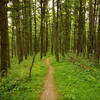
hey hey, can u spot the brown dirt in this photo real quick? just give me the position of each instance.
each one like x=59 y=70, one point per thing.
x=49 y=92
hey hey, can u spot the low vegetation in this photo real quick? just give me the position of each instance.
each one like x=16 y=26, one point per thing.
x=76 y=83
x=17 y=86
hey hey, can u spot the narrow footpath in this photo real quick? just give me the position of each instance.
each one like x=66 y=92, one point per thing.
x=49 y=92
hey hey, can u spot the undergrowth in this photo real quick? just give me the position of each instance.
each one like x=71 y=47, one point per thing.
x=75 y=83
x=17 y=85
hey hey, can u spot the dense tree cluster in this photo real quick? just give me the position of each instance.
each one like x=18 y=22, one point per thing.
x=59 y=26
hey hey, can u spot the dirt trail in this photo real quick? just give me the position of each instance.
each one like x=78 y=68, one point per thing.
x=49 y=92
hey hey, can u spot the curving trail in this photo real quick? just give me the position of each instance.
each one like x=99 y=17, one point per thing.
x=49 y=92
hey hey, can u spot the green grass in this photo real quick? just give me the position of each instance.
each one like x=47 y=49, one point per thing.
x=75 y=83
x=17 y=86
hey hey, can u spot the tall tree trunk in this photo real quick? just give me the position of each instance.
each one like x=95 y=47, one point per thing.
x=4 y=38
x=81 y=28
x=53 y=28
x=98 y=37
x=92 y=29
x=30 y=27
x=57 y=33
x=35 y=27
x=41 y=30
x=16 y=4
x=68 y=27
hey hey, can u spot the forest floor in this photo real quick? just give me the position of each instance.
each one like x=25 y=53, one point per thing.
x=17 y=86
x=76 y=79
x=72 y=78
x=49 y=92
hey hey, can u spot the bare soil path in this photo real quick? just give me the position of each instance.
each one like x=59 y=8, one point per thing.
x=49 y=92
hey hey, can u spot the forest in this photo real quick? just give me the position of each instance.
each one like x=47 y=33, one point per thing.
x=49 y=49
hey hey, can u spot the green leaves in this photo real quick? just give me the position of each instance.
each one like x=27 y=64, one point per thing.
x=18 y=87
x=75 y=83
